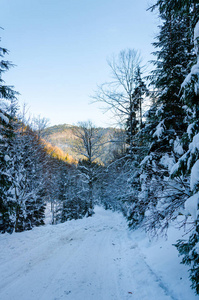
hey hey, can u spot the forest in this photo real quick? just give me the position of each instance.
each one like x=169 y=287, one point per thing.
x=148 y=169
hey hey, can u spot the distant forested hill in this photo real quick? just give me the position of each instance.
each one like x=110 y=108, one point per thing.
x=62 y=136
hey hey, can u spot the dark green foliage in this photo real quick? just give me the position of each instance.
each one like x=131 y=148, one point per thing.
x=172 y=65
x=134 y=121
x=176 y=110
x=67 y=192
x=164 y=125
x=136 y=215
x=28 y=179
x=73 y=208
x=7 y=126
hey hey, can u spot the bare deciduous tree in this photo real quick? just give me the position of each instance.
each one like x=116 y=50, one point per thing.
x=39 y=124
x=118 y=94
x=88 y=144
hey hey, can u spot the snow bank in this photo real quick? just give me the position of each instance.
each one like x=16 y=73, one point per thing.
x=162 y=257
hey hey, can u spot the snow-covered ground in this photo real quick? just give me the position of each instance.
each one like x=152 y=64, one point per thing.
x=94 y=258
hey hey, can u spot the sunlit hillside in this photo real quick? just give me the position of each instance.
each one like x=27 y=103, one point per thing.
x=58 y=153
x=63 y=137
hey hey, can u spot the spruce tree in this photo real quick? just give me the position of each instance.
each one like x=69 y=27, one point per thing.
x=135 y=119
x=7 y=126
x=165 y=123
x=28 y=190
x=188 y=165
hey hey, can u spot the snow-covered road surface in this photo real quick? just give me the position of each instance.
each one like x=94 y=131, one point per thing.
x=90 y=259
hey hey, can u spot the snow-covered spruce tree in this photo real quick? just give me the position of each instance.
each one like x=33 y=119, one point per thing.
x=65 y=191
x=55 y=180
x=160 y=195
x=75 y=205
x=133 y=207
x=188 y=8
x=27 y=188
x=134 y=121
x=62 y=171
x=55 y=187
x=35 y=166
x=8 y=109
x=121 y=182
x=107 y=188
x=187 y=167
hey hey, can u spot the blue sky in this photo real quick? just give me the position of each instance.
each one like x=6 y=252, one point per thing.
x=60 y=49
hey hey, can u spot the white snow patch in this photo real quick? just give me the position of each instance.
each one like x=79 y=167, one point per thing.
x=191 y=206
x=195 y=143
x=160 y=110
x=178 y=147
x=190 y=129
x=6 y=157
x=48 y=213
x=159 y=130
x=187 y=80
x=196 y=38
x=143 y=177
x=196 y=248
x=145 y=160
x=194 y=175
x=174 y=169
x=167 y=161
x=4 y=118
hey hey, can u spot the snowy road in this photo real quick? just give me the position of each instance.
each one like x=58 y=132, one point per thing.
x=91 y=259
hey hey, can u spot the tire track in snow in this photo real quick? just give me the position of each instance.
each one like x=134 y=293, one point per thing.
x=88 y=280
x=161 y=284
x=92 y=259
x=39 y=253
